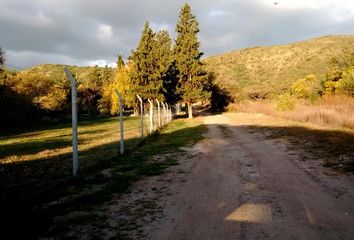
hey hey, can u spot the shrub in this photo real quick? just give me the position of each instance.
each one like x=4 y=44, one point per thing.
x=346 y=84
x=306 y=87
x=286 y=102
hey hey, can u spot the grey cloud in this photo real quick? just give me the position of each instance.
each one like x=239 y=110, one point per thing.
x=65 y=31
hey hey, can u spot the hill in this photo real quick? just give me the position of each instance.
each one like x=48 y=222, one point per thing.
x=272 y=69
x=56 y=74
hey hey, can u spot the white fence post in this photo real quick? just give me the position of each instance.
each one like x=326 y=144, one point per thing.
x=178 y=108
x=170 y=113
x=74 y=120
x=142 y=115
x=121 y=121
x=163 y=113
x=158 y=112
x=151 y=116
x=167 y=110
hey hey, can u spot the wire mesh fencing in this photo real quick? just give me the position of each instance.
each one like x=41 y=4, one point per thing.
x=38 y=147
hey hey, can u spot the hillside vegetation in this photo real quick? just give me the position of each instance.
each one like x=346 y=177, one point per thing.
x=259 y=71
x=55 y=72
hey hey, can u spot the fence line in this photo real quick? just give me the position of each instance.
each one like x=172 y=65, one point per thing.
x=167 y=116
x=52 y=146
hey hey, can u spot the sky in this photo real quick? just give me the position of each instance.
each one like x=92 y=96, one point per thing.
x=88 y=32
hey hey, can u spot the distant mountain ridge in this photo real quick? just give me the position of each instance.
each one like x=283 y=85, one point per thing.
x=272 y=69
x=248 y=71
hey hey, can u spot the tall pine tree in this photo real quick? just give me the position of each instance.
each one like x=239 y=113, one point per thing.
x=163 y=67
x=191 y=73
x=120 y=61
x=145 y=76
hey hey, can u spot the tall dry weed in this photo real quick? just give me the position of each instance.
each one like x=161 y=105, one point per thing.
x=331 y=111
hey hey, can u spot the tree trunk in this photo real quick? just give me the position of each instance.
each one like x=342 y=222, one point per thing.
x=88 y=112
x=190 y=110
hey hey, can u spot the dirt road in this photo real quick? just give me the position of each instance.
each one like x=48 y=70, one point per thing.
x=237 y=184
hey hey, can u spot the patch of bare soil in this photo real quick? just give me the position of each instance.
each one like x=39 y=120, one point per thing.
x=236 y=184
x=245 y=186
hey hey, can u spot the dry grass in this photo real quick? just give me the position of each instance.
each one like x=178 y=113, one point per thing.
x=272 y=69
x=330 y=111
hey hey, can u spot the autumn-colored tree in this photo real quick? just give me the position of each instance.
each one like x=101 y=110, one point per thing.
x=124 y=85
x=306 y=87
x=345 y=85
x=335 y=71
x=109 y=104
x=191 y=73
x=120 y=61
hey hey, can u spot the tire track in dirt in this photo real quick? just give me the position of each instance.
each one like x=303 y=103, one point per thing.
x=246 y=187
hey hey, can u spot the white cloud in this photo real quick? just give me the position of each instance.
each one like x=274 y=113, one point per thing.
x=104 y=33
x=217 y=13
x=89 y=32
x=23 y=59
x=101 y=63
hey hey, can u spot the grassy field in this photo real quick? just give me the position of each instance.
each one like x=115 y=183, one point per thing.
x=37 y=192
x=49 y=150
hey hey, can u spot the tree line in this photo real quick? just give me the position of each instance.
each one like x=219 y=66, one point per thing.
x=162 y=68
x=159 y=69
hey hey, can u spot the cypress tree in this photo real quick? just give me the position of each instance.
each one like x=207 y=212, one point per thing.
x=144 y=75
x=191 y=73
x=120 y=61
x=164 y=68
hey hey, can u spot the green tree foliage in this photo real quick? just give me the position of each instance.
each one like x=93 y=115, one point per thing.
x=191 y=73
x=307 y=87
x=345 y=85
x=337 y=68
x=120 y=61
x=170 y=82
x=145 y=75
x=91 y=90
x=164 y=66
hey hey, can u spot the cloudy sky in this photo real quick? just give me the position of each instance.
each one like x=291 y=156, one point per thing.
x=89 y=32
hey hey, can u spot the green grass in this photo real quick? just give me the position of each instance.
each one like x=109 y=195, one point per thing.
x=34 y=206
x=33 y=162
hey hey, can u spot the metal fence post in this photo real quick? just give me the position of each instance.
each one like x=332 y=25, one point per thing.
x=170 y=113
x=151 y=116
x=158 y=112
x=121 y=121
x=178 y=108
x=74 y=120
x=142 y=115
x=163 y=113
x=167 y=110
